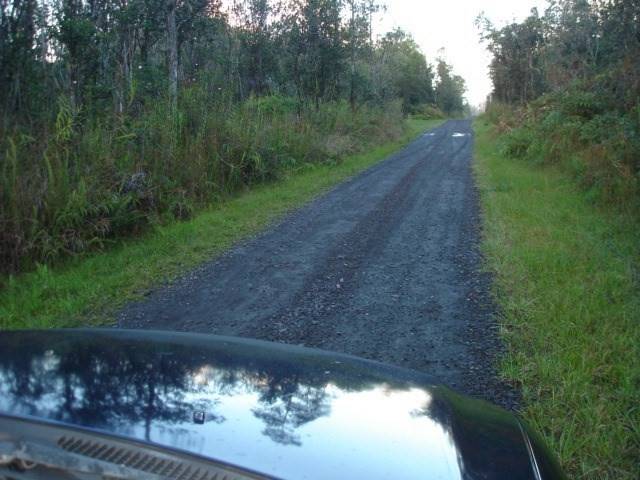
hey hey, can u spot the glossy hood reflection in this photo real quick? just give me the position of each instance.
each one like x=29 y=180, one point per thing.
x=282 y=411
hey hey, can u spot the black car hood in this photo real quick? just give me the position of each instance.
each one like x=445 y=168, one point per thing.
x=283 y=411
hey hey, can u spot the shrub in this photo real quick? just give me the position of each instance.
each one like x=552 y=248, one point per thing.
x=78 y=182
x=517 y=142
x=428 y=112
x=572 y=128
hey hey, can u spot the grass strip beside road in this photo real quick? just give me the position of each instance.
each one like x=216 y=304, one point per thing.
x=87 y=291
x=566 y=279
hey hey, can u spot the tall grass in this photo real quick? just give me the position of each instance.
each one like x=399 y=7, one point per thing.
x=88 y=291
x=77 y=182
x=567 y=284
x=577 y=129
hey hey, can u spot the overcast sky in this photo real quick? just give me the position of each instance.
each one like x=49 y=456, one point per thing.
x=449 y=24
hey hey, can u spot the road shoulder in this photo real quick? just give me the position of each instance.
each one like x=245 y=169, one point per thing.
x=87 y=291
x=564 y=276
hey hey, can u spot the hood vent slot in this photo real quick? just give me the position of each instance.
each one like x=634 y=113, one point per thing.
x=136 y=459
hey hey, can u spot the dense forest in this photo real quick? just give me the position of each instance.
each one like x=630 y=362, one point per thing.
x=119 y=114
x=573 y=76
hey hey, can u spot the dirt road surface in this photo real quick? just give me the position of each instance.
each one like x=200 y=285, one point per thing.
x=385 y=266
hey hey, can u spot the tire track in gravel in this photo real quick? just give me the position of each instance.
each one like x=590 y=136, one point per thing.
x=385 y=266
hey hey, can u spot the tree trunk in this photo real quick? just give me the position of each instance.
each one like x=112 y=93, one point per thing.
x=172 y=52
x=352 y=93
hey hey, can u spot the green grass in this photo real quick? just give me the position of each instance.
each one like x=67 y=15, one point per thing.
x=567 y=278
x=87 y=291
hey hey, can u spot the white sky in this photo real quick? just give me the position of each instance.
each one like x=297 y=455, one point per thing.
x=449 y=24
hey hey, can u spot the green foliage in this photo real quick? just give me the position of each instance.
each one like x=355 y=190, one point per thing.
x=517 y=143
x=117 y=116
x=272 y=105
x=82 y=188
x=566 y=280
x=88 y=290
x=428 y=112
x=402 y=72
x=517 y=65
x=574 y=74
x=450 y=91
x=571 y=128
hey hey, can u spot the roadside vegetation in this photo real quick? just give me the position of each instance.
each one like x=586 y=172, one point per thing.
x=88 y=290
x=118 y=117
x=558 y=167
x=567 y=92
x=566 y=280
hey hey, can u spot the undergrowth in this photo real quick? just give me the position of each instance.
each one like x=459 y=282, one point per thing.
x=577 y=129
x=80 y=182
x=566 y=272
x=87 y=290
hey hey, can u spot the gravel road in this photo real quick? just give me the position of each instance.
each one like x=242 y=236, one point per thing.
x=385 y=266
